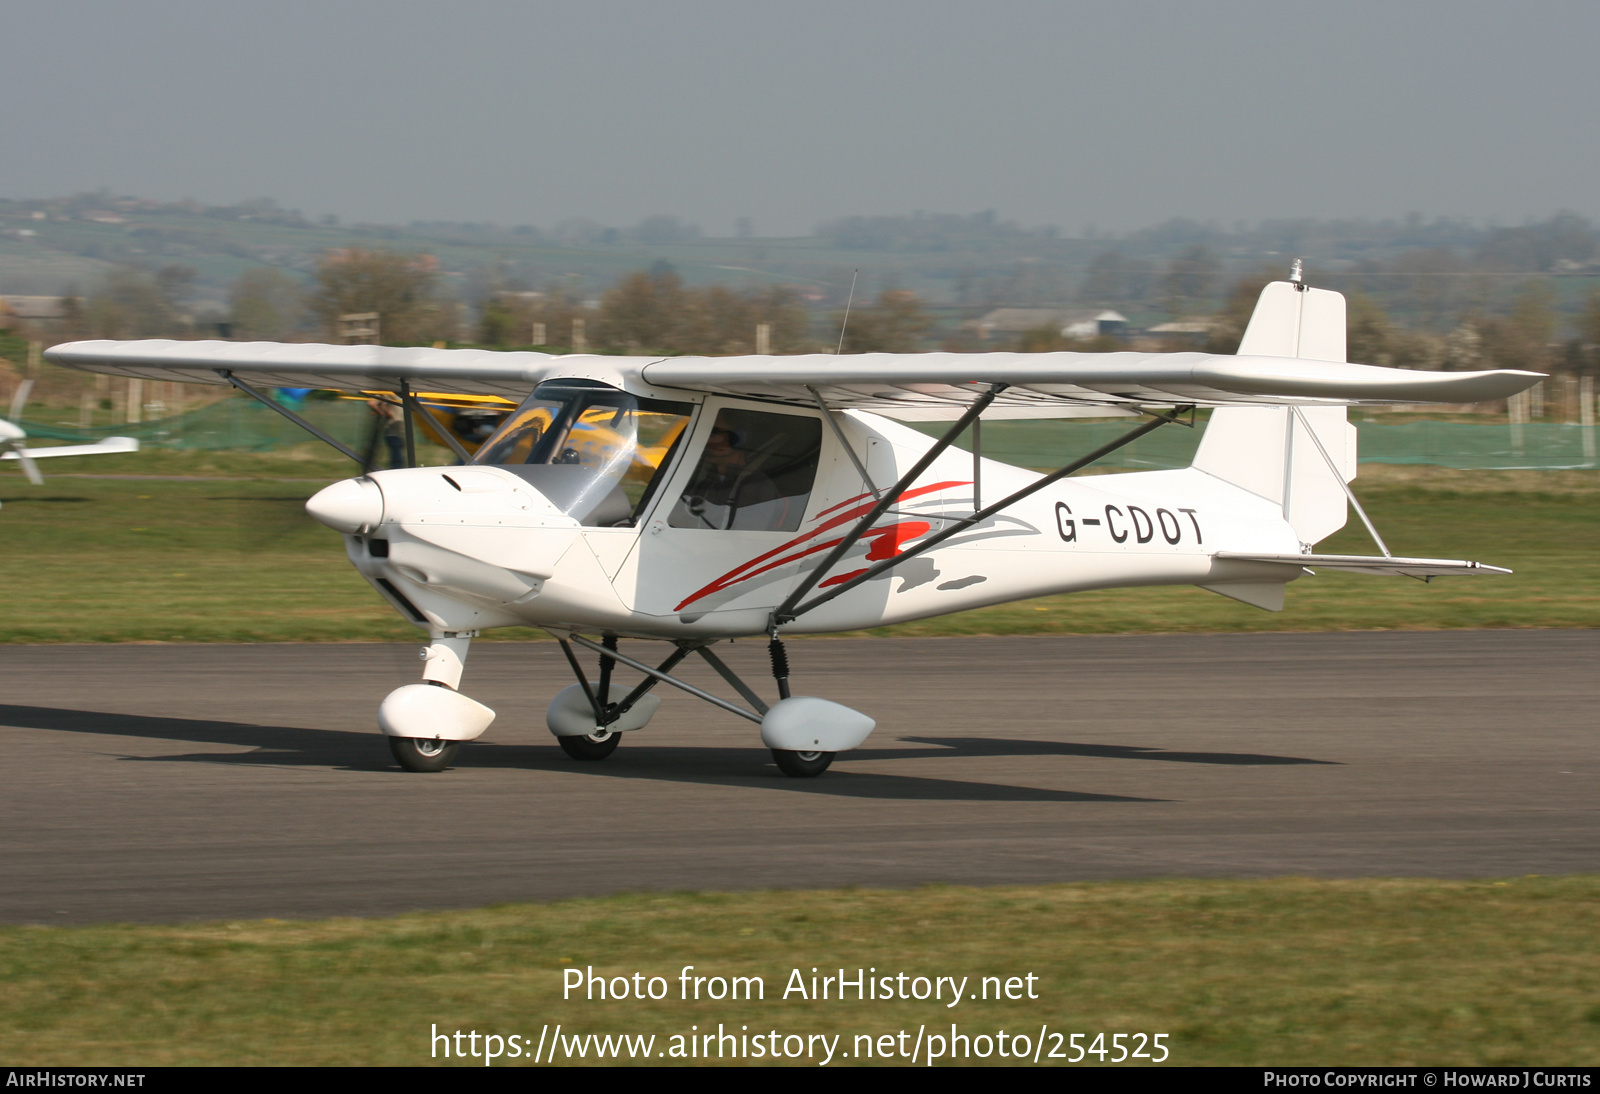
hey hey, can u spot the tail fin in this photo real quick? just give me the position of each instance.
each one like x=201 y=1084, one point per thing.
x=1266 y=450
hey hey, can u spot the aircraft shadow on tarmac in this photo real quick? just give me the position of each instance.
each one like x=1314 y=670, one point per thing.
x=280 y=746
x=1003 y=746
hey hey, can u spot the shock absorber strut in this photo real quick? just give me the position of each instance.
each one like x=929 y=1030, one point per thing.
x=780 y=664
x=606 y=665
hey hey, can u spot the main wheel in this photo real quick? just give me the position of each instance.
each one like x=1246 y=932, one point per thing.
x=801 y=765
x=422 y=754
x=592 y=747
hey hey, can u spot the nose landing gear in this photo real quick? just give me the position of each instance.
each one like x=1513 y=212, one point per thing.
x=426 y=723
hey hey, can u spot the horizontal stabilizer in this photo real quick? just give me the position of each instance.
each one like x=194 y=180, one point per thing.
x=1373 y=564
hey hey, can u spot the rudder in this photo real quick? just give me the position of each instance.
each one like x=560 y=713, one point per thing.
x=1268 y=450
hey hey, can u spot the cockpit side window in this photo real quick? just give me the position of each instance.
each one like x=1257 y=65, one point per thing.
x=755 y=473
x=592 y=450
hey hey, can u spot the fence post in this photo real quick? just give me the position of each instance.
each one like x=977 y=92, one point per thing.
x=1586 y=415
x=1517 y=411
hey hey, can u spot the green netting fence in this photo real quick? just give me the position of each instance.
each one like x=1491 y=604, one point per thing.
x=234 y=425
x=1549 y=446
x=240 y=424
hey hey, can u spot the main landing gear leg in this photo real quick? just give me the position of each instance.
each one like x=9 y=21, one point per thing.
x=795 y=763
x=803 y=732
x=587 y=723
x=604 y=740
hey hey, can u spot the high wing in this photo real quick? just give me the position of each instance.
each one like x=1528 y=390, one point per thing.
x=911 y=385
x=927 y=385
x=342 y=368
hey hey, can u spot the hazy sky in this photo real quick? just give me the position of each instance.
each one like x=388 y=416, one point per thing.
x=1115 y=114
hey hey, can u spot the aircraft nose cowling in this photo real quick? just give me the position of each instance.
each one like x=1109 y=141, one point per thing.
x=353 y=506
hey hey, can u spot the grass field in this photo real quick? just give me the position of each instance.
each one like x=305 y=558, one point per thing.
x=227 y=554
x=1262 y=972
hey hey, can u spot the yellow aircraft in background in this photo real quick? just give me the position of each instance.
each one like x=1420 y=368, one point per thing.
x=594 y=440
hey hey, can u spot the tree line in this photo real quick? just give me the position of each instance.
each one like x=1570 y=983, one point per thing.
x=653 y=311
x=398 y=298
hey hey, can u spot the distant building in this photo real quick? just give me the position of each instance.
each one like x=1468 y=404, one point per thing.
x=41 y=312
x=1071 y=324
x=1191 y=328
x=514 y=299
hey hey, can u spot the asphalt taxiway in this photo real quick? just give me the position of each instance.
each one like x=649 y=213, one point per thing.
x=165 y=783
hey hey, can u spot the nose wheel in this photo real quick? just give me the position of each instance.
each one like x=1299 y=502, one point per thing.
x=423 y=754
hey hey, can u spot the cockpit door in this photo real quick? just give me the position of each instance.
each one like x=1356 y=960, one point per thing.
x=728 y=531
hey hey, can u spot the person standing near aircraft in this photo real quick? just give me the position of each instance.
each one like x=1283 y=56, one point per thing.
x=390 y=422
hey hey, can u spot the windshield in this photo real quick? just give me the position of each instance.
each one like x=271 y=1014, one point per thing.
x=597 y=453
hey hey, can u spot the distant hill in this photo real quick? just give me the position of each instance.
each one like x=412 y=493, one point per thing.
x=1424 y=272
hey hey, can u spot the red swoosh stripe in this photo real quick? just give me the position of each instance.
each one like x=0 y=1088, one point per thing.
x=887 y=542
x=744 y=571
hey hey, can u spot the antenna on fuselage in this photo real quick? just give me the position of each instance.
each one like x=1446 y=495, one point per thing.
x=848 y=301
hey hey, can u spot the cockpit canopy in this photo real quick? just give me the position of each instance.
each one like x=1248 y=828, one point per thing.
x=597 y=453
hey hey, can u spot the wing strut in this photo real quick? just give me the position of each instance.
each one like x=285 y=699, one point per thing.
x=786 y=611
x=416 y=406
x=791 y=609
x=607 y=713
x=227 y=374
x=411 y=433
x=827 y=416
x=408 y=400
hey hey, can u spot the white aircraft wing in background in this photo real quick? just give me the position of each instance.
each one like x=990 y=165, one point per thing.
x=12 y=447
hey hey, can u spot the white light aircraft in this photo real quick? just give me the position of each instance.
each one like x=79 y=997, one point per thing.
x=691 y=500
x=13 y=447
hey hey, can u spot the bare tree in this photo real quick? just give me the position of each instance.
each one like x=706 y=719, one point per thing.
x=896 y=323
x=400 y=288
x=1190 y=278
x=647 y=311
x=130 y=303
x=1227 y=326
x=264 y=305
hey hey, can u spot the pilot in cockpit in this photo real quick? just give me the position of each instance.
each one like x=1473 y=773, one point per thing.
x=728 y=479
